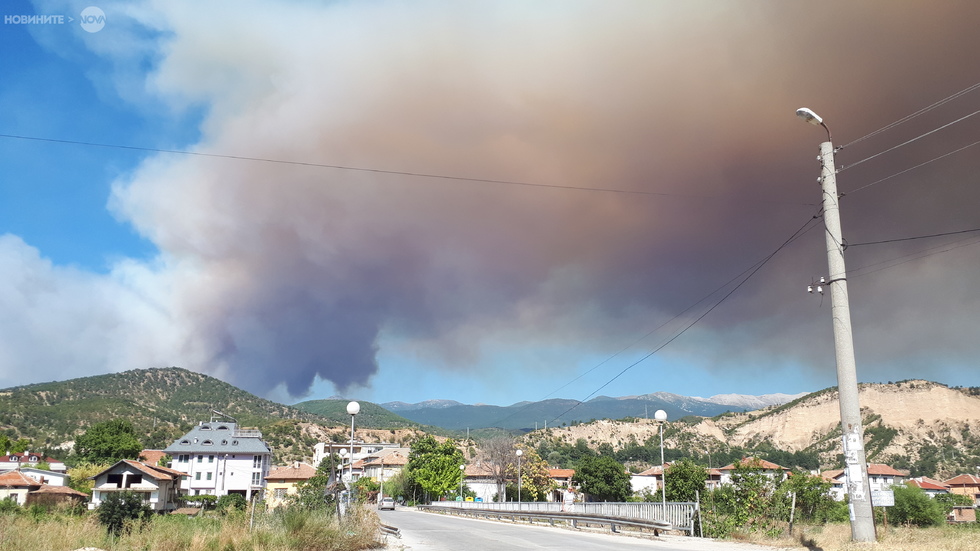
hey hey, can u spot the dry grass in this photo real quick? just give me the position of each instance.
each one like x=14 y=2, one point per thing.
x=837 y=537
x=271 y=532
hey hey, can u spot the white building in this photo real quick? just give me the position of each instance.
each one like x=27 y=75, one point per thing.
x=30 y=460
x=221 y=459
x=157 y=486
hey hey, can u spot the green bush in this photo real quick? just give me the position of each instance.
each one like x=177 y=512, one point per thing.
x=914 y=507
x=120 y=510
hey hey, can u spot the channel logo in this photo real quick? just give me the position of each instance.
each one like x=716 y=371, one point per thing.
x=92 y=19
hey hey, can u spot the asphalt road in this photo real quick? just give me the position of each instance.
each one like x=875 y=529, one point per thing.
x=434 y=532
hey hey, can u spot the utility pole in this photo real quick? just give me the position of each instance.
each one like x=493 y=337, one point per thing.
x=855 y=459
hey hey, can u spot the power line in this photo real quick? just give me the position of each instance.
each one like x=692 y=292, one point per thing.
x=752 y=271
x=915 y=167
x=912 y=238
x=469 y=179
x=933 y=131
x=913 y=115
x=918 y=255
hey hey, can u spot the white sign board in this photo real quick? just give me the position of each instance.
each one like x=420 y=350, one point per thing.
x=882 y=498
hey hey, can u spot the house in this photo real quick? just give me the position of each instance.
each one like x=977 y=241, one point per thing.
x=15 y=485
x=385 y=464
x=714 y=479
x=220 y=459
x=880 y=477
x=965 y=484
x=281 y=482
x=158 y=486
x=27 y=459
x=650 y=480
x=479 y=479
x=929 y=486
x=776 y=472
x=564 y=491
x=48 y=478
x=153 y=457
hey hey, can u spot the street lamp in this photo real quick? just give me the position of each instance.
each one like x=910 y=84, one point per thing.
x=353 y=408
x=519 y=453
x=462 y=475
x=661 y=417
x=855 y=460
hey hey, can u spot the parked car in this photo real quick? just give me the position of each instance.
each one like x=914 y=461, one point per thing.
x=387 y=503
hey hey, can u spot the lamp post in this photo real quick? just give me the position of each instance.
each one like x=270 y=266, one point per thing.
x=353 y=408
x=661 y=417
x=519 y=453
x=855 y=460
x=462 y=475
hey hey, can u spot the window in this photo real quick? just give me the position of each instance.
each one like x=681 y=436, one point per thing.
x=207 y=443
x=256 y=461
x=183 y=458
x=210 y=459
x=115 y=479
x=256 y=479
x=280 y=493
x=134 y=479
x=197 y=476
x=209 y=476
x=200 y=459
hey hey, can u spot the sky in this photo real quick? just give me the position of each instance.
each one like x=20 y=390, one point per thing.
x=488 y=202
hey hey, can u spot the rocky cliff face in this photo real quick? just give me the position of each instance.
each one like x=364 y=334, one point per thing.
x=910 y=424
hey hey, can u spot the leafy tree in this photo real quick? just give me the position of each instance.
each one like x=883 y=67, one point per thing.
x=948 y=501
x=80 y=476
x=108 y=442
x=205 y=501
x=813 y=498
x=435 y=466
x=119 y=509
x=5 y=443
x=20 y=446
x=535 y=479
x=683 y=480
x=750 y=502
x=913 y=506
x=603 y=478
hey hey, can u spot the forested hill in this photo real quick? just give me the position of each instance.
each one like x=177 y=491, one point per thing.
x=161 y=403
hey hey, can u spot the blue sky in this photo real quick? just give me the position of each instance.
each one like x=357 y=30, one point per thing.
x=487 y=202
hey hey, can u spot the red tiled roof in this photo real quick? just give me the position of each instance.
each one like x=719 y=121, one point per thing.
x=880 y=469
x=767 y=465
x=926 y=484
x=561 y=473
x=292 y=472
x=964 y=480
x=25 y=458
x=652 y=471
x=152 y=457
x=11 y=479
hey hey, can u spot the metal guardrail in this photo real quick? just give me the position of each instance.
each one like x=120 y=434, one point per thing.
x=679 y=515
x=569 y=519
x=390 y=531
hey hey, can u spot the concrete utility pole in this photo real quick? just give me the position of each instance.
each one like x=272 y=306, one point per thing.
x=855 y=459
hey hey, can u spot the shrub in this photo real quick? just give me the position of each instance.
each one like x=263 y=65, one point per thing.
x=119 y=510
x=914 y=507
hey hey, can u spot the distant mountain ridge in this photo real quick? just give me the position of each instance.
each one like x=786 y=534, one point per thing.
x=453 y=415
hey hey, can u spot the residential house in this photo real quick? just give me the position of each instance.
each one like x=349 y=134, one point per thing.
x=650 y=480
x=564 y=491
x=15 y=485
x=220 y=459
x=27 y=459
x=385 y=464
x=281 y=482
x=159 y=487
x=928 y=485
x=479 y=479
x=776 y=472
x=965 y=484
x=48 y=478
x=153 y=457
x=880 y=477
x=714 y=479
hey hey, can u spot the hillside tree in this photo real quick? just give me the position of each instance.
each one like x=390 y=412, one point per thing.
x=683 y=480
x=603 y=478
x=108 y=442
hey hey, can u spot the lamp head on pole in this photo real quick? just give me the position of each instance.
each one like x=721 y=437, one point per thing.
x=809 y=116
x=660 y=416
x=353 y=408
x=519 y=452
